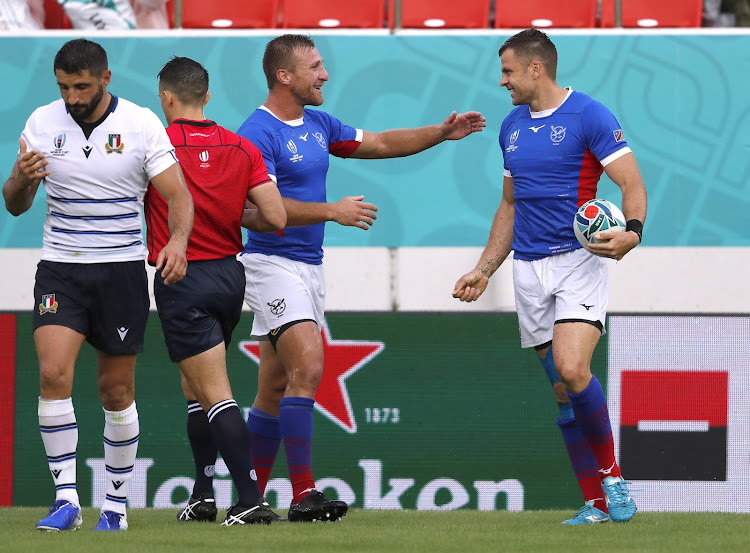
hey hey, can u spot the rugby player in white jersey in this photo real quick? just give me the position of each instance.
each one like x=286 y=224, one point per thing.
x=95 y=154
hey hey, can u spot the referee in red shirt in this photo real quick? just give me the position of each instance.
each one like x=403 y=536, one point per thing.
x=199 y=313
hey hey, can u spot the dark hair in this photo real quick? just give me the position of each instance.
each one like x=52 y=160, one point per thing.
x=280 y=54
x=533 y=45
x=185 y=78
x=79 y=55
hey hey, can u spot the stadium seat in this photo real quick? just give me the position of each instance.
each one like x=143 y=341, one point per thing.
x=200 y=14
x=442 y=14
x=661 y=13
x=54 y=16
x=545 y=13
x=607 y=14
x=303 y=14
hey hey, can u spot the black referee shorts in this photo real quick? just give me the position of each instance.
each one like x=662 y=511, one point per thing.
x=200 y=311
x=106 y=302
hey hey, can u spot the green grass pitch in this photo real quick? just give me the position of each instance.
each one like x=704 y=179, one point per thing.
x=157 y=530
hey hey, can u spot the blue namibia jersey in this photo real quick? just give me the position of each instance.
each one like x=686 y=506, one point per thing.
x=556 y=158
x=296 y=155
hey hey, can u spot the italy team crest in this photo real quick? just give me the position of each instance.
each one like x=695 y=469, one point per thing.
x=114 y=144
x=48 y=305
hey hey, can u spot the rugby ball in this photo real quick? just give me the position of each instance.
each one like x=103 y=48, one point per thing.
x=596 y=216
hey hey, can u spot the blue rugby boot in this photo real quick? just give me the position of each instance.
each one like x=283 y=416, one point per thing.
x=620 y=504
x=588 y=514
x=63 y=515
x=110 y=521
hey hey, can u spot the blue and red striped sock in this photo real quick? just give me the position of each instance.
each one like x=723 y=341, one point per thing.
x=265 y=431
x=296 y=420
x=583 y=461
x=592 y=416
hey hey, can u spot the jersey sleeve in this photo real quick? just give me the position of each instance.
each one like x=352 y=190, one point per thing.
x=159 y=150
x=603 y=133
x=30 y=133
x=258 y=170
x=503 y=144
x=343 y=140
x=264 y=142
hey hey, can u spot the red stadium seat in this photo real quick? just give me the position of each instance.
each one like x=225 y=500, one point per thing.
x=54 y=16
x=607 y=15
x=661 y=13
x=545 y=13
x=303 y=14
x=200 y=14
x=442 y=14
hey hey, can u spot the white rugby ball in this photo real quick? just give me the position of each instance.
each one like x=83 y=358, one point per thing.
x=596 y=216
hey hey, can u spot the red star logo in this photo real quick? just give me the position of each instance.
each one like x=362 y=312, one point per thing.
x=342 y=359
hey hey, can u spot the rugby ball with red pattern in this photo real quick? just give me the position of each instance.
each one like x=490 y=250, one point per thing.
x=596 y=216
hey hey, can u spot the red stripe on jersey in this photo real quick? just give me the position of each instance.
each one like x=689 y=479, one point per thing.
x=345 y=148
x=674 y=396
x=588 y=178
x=219 y=167
x=7 y=406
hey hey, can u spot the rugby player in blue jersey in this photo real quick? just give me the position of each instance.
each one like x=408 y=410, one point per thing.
x=556 y=144
x=285 y=286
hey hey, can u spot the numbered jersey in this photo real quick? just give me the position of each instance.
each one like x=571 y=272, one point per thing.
x=556 y=158
x=96 y=184
x=296 y=155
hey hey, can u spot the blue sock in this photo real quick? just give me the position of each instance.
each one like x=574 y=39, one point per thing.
x=296 y=418
x=265 y=430
x=581 y=456
x=590 y=408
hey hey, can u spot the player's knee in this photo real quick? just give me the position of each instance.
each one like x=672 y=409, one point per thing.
x=573 y=373
x=305 y=378
x=116 y=397
x=53 y=378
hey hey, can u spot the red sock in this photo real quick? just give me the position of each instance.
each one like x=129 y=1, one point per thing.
x=591 y=486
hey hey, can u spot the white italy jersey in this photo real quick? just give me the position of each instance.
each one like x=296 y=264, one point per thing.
x=95 y=188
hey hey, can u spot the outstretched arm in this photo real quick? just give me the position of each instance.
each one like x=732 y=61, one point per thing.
x=625 y=173
x=405 y=142
x=170 y=183
x=268 y=213
x=473 y=284
x=20 y=188
x=350 y=211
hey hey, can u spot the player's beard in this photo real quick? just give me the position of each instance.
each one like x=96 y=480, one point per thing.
x=308 y=96
x=81 y=112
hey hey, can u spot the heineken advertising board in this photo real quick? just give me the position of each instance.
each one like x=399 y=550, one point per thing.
x=422 y=411
x=415 y=411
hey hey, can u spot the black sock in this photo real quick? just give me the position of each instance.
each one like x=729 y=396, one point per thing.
x=204 y=449
x=232 y=437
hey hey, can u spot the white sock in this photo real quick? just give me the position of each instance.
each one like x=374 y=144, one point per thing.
x=59 y=429
x=121 y=431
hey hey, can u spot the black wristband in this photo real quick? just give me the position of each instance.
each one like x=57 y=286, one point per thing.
x=637 y=227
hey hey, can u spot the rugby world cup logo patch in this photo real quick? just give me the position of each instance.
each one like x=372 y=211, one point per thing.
x=60 y=141
x=292 y=146
x=48 y=305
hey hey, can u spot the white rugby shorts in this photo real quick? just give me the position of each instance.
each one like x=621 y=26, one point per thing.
x=571 y=285
x=281 y=291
